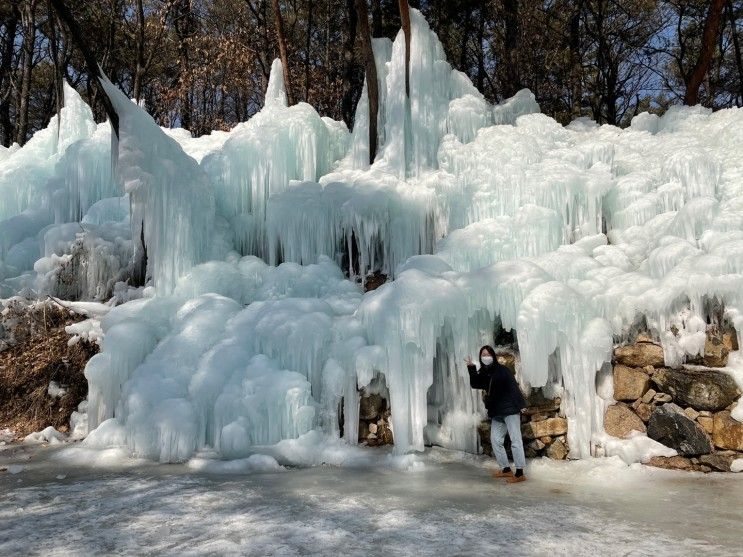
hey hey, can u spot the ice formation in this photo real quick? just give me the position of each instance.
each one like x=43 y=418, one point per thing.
x=486 y=217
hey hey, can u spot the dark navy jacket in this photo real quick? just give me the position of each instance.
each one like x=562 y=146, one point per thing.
x=504 y=396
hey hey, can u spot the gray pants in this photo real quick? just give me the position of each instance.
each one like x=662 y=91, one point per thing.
x=498 y=429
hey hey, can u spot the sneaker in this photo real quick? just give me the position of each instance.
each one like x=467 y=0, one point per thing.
x=502 y=474
x=516 y=479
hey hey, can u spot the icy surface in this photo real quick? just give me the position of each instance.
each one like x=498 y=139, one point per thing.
x=577 y=508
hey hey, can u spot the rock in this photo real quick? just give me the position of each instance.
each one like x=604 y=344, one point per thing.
x=670 y=462
x=507 y=359
x=644 y=411
x=670 y=426
x=629 y=383
x=715 y=355
x=702 y=390
x=483 y=430
x=730 y=340
x=644 y=337
x=550 y=426
x=705 y=413
x=537 y=445
x=693 y=414
x=557 y=451
x=373 y=428
x=662 y=398
x=720 y=460
x=707 y=423
x=640 y=354
x=619 y=421
x=539 y=417
x=371 y=436
x=547 y=440
x=530 y=453
x=715 y=351
x=370 y=406
x=727 y=433
x=386 y=436
x=363 y=430
x=647 y=398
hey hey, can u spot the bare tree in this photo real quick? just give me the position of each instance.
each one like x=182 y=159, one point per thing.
x=6 y=66
x=28 y=20
x=94 y=70
x=710 y=36
x=405 y=22
x=370 y=68
x=281 y=37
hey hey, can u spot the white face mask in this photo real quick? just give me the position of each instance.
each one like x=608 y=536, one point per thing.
x=487 y=360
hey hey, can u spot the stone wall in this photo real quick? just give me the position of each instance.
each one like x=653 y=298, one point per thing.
x=687 y=409
x=374 y=420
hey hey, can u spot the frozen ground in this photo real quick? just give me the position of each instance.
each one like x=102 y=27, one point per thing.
x=446 y=505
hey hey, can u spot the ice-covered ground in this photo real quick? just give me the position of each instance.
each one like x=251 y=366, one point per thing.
x=446 y=505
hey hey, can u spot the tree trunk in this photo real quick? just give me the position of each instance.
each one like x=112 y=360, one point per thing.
x=709 y=41
x=511 y=47
x=139 y=50
x=54 y=53
x=28 y=18
x=64 y=15
x=307 y=53
x=480 y=51
x=576 y=90
x=736 y=47
x=377 y=22
x=6 y=65
x=347 y=76
x=279 y=21
x=466 y=29
x=405 y=22
x=370 y=68
x=183 y=29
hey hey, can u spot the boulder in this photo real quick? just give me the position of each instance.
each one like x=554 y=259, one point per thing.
x=640 y=354
x=371 y=406
x=727 y=433
x=730 y=340
x=537 y=445
x=693 y=414
x=644 y=411
x=647 y=398
x=670 y=426
x=670 y=462
x=619 y=421
x=385 y=436
x=707 y=423
x=363 y=430
x=662 y=398
x=720 y=460
x=629 y=383
x=702 y=390
x=550 y=426
x=715 y=352
x=557 y=450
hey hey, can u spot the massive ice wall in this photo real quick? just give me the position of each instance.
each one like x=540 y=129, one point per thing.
x=486 y=216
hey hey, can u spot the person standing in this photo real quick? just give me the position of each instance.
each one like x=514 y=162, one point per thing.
x=504 y=403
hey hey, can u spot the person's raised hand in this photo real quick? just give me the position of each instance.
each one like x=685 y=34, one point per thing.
x=468 y=361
